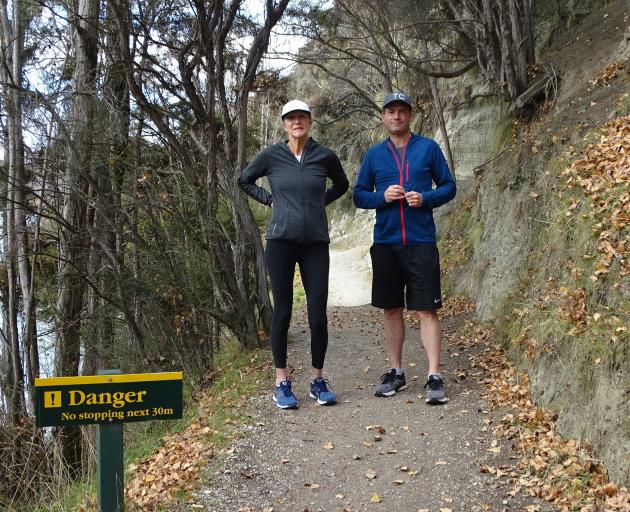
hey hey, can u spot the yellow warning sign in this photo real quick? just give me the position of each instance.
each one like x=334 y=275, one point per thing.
x=52 y=399
x=108 y=398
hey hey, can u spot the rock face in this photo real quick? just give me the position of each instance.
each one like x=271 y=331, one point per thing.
x=516 y=198
x=473 y=135
x=502 y=250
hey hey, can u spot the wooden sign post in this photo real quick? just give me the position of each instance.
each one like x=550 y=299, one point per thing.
x=108 y=399
x=110 y=466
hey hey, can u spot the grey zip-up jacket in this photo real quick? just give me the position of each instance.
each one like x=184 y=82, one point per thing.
x=298 y=190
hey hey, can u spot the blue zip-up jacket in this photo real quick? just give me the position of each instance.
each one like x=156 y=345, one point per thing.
x=423 y=163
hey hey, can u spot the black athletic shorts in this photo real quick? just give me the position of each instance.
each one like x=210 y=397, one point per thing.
x=411 y=270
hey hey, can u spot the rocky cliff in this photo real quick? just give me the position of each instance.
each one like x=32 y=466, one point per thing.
x=530 y=246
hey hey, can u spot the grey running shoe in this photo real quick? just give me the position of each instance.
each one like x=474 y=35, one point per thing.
x=390 y=383
x=435 y=390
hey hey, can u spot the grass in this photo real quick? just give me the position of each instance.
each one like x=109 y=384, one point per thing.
x=462 y=235
x=226 y=402
x=559 y=301
x=239 y=376
x=68 y=500
x=299 y=295
x=222 y=406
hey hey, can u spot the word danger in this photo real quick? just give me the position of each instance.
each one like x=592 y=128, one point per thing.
x=116 y=400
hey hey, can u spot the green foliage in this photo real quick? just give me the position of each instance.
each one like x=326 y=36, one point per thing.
x=566 y=302
x=502 y=133
x=299 y=295
x=69 y=500
x=238 y=375
x=462 y=235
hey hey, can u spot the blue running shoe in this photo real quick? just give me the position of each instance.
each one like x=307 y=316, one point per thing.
x=284 y=397
x=321 y=393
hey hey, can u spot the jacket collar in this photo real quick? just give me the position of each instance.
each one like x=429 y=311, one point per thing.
x=412 y=138
x=309 y=142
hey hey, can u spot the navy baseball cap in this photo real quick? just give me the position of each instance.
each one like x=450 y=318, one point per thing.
x=397 y=96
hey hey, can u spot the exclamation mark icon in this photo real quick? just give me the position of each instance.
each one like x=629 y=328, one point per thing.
x=52 y=399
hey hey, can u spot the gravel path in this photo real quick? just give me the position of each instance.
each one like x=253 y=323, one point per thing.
x=350 y=280
x=410 y=456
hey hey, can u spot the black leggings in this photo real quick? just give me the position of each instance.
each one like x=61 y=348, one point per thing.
x=313 y=259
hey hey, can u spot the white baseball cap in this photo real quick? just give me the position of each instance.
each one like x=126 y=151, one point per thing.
x=294 y=105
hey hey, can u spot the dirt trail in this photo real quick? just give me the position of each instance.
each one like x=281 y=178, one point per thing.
x=427 y=458
x=350 y=280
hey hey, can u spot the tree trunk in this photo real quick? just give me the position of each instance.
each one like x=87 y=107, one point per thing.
x=507 y=57
x=249 y=252
x=440 y=113
x=245 y=218
x=29 y=338
x=519 y=43
x=528 y=32
x=74 y=239
x=14 y=245
x=73 y=243
x=490 y=45
x=108 y=216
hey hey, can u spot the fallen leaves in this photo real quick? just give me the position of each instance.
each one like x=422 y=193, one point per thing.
x=173 y=468
x=494 y=448
x=408 y=470
x=558 y=470
x=603 y=175
x=597 y=196
x=380 y=429
x=456 y=305
x=607 y=74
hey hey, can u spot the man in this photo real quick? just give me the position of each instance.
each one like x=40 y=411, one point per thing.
x=396 y=179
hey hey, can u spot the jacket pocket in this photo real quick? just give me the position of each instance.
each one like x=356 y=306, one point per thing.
x=321 y=231
x=316 y=223
x=278 y=225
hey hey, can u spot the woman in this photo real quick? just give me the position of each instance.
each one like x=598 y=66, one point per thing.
x=297 y=170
